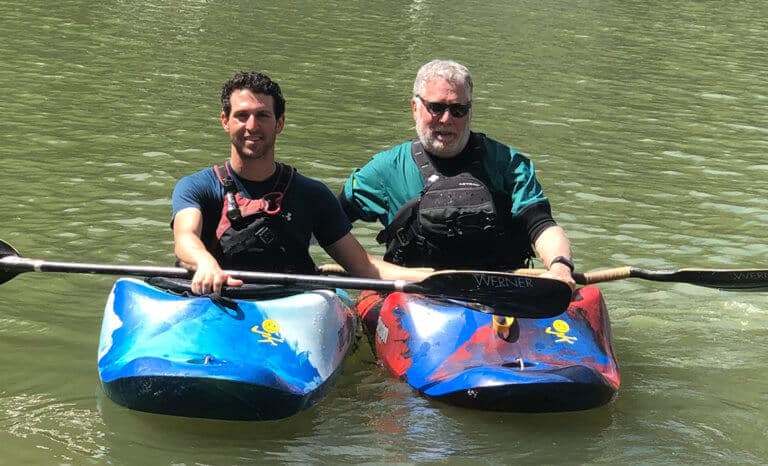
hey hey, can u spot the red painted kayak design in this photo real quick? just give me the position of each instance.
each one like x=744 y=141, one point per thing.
x=449 y=352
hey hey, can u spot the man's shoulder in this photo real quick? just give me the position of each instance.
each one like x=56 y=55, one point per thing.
x=306 y=182
x=394 y=156
x=501 y=151
x=395 y=151
x=203 y=175
x=199 y=190
x=493 y=145
x=312 y=191
x=201 y=181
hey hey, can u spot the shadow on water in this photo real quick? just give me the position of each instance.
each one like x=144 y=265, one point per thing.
x=183 y=440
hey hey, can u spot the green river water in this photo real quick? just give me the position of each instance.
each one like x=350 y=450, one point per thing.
x=647 y=122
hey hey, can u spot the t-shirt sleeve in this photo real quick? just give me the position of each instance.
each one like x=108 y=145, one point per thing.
x=529 y=204
x=514 y=173
x=193 y=191
x=330 y=223
x=525 y=189
x=536 y=218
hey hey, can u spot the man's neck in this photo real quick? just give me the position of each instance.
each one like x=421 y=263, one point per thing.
x=253 y=169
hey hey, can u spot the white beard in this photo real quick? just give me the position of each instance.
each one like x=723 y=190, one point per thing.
x=440 y=148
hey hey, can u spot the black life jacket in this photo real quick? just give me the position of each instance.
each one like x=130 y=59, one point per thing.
x=252 y=234
x=456 y=222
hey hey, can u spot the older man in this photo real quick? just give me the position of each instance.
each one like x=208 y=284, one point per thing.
x=453 y=198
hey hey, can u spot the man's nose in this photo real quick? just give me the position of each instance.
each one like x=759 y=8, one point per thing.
x=251 y=122
x=445 y=117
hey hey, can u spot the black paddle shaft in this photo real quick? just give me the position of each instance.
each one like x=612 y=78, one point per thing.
x=495 y=293
x=722 y=279
x=13 y=266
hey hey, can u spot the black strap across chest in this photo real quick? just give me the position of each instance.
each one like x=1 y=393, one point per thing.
x=470 y=163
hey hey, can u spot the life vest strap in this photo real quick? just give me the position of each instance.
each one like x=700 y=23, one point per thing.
x=270 y=203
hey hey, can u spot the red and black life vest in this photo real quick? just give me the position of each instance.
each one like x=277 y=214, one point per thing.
x=252 y=234
x=456 y=222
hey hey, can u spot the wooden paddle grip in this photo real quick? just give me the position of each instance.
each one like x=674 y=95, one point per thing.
x=331 y=269
x=577 y=277
x=586 y=278
x=608 y=275
x=529 y=272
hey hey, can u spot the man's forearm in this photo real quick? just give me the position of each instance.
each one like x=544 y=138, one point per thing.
x=551 y=243
x=190 y=251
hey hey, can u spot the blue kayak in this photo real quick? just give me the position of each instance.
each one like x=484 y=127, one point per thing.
x=266 y=356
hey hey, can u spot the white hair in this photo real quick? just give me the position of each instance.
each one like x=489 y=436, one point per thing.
x=451 y=71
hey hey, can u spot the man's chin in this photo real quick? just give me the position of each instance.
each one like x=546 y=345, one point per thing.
x=441 y=149
x=248 y=155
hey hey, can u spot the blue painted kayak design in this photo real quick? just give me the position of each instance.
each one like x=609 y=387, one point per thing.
x=449 y=352
x=244 y=359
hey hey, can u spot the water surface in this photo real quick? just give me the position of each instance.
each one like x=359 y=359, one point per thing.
x=647 y=122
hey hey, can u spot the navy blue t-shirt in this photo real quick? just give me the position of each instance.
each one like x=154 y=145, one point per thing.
x=308 y=208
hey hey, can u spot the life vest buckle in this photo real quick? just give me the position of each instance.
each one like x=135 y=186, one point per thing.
x=265 y=235
x=272 y=203
x=401 y=236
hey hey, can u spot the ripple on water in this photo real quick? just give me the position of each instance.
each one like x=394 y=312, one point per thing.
x=63 y=427
x=17 y=327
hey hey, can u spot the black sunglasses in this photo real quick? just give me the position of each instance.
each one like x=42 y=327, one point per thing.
x=438 y=108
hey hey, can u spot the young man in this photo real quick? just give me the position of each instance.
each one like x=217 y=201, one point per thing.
x=454 y=198
x=252 y=213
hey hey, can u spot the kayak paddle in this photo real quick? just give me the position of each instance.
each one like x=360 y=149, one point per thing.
x=497 y=293
x=722 y=279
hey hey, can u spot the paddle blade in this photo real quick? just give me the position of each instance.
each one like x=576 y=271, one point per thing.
x=722 y=279
x=6 y=250
x=502 y=293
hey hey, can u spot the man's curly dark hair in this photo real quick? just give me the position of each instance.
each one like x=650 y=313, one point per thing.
x=256 y=82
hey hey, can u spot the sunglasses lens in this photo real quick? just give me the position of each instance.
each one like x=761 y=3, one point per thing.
x=436 y=108
x=458 y=110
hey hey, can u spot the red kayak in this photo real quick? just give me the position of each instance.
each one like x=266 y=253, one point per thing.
x=448 y=351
